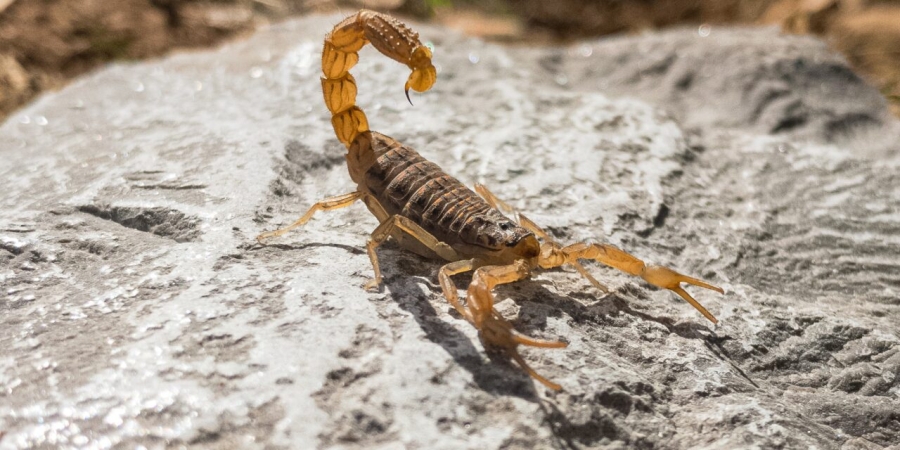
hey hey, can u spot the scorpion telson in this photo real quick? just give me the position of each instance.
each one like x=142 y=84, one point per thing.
x=434 y=215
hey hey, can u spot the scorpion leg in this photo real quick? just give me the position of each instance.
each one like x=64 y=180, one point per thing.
x=659 y=276
x=525 y=222
x=331 y=203
x=495 y=331
x=449 y=289
x=493 y=200
x=411 y=229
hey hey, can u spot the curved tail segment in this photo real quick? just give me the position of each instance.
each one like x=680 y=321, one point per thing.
x=340 y=54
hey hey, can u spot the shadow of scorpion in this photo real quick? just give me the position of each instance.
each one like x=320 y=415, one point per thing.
x=430 y=213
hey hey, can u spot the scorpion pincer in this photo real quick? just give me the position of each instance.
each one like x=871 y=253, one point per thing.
x=434 y=215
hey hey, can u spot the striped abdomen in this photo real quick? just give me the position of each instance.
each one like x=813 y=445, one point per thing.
x=405 y=183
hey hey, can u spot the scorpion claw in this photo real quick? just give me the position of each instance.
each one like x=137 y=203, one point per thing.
x=498 y=333
x=550 y=385
x=540 y=343
x=666 y=278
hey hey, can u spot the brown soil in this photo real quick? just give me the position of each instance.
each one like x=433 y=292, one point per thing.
x=44 y=43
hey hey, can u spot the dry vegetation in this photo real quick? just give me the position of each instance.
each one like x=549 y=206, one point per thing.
x=43 y=43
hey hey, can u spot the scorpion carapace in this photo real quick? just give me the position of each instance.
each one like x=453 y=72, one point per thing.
x=431 y=213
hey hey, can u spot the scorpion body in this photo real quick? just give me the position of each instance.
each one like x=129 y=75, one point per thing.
x=408 y=185
x=431 y=213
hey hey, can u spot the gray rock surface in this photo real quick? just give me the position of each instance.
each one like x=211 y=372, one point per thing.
x=137 y=310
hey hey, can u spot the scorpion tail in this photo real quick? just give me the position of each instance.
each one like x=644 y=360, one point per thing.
x=341 y=52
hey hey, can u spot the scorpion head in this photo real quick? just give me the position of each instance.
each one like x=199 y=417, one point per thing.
x=503 y=235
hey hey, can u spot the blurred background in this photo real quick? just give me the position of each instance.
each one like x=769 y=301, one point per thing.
x=45 y=43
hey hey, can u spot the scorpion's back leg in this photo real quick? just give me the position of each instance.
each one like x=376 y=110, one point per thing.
x=401 y=224
x=659 y=276
x=495 y=331
x=529 y=225
x=331 y=203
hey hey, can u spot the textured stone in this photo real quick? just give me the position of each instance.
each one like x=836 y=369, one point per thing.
x=137 y=308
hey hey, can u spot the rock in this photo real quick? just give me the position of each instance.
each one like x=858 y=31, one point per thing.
x=139 y=310
x=741 y=78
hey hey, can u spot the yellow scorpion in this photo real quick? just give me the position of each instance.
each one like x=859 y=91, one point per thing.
x=434 y=215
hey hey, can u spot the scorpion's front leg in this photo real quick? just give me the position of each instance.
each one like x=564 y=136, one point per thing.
x=495 y=331
x=659 y=276
x=534 y=228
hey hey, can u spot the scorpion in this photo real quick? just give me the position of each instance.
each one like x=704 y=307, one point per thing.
x=432 y=214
